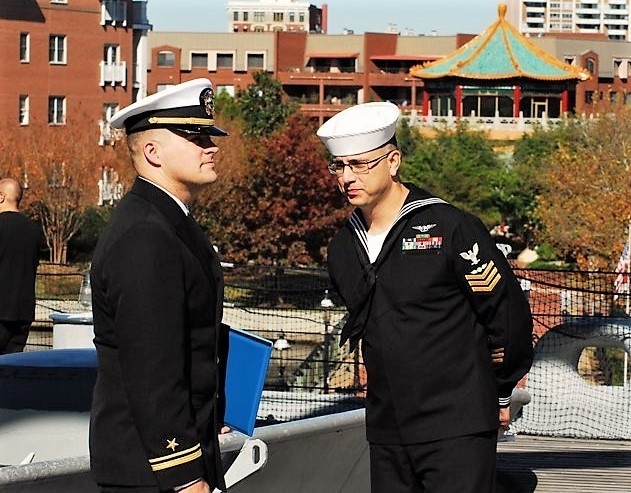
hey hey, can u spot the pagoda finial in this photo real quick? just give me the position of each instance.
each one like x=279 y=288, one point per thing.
x=501 y=10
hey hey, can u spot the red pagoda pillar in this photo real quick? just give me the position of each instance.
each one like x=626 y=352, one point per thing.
x=565 y=101
x=516 y=101
x=458 y=100
x=425 y=110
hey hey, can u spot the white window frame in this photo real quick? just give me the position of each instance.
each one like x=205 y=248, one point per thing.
x=197 y=52
x=164 y=52
x=60 y=54
x=111 y=53
x=56 y=110
x=247 y=55
x=24 y=109
x=223 y=53
x=229 y=89
x=108 y=134
x=25 y=48
x=162 y=87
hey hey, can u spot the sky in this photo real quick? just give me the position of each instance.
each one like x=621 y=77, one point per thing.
x=414 y=17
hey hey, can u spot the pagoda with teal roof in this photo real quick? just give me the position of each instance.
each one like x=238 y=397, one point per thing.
x=499 y=73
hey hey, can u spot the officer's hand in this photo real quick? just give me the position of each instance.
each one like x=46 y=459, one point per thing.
x=504 y=417
x=224 y=430
x=199 y=487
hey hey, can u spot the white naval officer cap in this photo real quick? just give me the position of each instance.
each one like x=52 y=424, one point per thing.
x=360 y=128
x=188 y=107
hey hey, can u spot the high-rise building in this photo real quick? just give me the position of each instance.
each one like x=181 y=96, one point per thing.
x=606 y=18
x=276 y=15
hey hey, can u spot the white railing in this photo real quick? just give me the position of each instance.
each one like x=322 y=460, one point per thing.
x=113 y=73
x=475 y=122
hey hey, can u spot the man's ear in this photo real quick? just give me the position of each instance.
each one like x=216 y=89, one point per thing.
x=394 y=162
x=152 y=152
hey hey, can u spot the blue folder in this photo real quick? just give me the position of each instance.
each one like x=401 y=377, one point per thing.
x=248 y=359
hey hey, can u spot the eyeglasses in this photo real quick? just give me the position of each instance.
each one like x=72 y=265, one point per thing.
x=357 y=166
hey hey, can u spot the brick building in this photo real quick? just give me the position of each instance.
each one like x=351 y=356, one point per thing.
x=326 y=73
x=71 y=62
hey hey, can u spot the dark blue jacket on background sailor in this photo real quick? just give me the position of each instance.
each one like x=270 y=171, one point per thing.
x=445 y=329
x=157 y=290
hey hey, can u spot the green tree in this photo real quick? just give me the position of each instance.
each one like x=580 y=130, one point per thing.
x=584 y=204
x=460 y=166
x=285 y=206
x=532 y=157
x=261 y=106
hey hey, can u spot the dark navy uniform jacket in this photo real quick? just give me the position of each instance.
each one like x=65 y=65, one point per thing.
x=157 y=290
x=437 y=299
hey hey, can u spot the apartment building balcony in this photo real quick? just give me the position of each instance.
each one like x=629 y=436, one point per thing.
x=616 y=32
x=114 y=12
x=587 y=11
x=535 y=20
x=582 y=22
x=113 y=73
x=391 y=79
x=616 y=22
x=536 y=10
x=588 y=30
x=139 y=15
x=533 y=29
x=317 y=78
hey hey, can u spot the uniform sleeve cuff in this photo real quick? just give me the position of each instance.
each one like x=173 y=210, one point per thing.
x=180 y=488
x=504 y=401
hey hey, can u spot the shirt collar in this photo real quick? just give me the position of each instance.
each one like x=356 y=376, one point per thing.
x=177 y=201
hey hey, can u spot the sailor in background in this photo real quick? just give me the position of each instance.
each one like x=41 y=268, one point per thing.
x=445 y=329
x=157 y=290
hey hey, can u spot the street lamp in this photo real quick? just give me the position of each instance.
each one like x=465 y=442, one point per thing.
x=327 y=305
x=280 y=345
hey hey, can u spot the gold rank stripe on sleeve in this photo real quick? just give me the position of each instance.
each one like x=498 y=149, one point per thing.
x=485 y=281
x=172 y=460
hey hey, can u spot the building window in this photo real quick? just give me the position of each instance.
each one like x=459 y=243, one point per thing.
x=57 y=48
x=235 y=16
x=199 y=60
x=256 y=61
x=229 y=90
x=301 y=17
x=278 y=16
x=292 y=17
x=57 y=110
x=225 y=60
x=166 y=59
x=111 y=54
x=590 y=65
x=245 y=16
x=24 y=109
x=25 y=47
x=259 y=16
x=107 y=133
